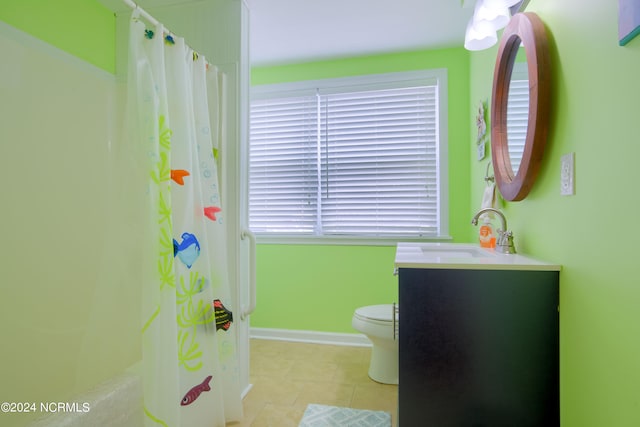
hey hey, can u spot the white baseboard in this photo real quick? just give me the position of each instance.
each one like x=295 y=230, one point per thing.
x=334 y=338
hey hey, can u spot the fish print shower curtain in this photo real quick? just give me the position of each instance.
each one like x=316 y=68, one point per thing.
x=190 y=368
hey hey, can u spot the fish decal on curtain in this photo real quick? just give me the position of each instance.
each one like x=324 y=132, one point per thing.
x=188 y=250
x=177 y=175
x=211 y=211
x=224 y=316
x=195 y=392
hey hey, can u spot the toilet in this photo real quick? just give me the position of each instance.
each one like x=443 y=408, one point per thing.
x=376 y=322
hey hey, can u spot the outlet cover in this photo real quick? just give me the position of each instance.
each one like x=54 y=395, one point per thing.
x=567 y=175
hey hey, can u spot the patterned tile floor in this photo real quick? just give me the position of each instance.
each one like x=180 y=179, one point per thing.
x=287 y=376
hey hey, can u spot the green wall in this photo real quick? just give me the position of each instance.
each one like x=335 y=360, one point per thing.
x=317 y=287
x=83 y=28
x=593 y=234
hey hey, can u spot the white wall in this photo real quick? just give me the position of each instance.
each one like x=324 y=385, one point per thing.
x=69 y=302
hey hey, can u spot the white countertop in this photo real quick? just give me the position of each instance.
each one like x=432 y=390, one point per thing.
x=464 y=256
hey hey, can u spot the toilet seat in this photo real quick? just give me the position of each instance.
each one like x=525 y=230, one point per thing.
x=376 y=313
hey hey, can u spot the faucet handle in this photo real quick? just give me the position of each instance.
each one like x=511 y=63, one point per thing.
x=507 y=242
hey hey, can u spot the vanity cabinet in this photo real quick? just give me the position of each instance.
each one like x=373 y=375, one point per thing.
x=478 y=347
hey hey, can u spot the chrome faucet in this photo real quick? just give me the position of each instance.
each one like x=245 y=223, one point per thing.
x=504 y=241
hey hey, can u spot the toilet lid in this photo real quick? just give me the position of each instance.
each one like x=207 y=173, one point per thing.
x=381 y=312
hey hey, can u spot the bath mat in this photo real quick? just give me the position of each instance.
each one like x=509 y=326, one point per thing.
x=333 y=416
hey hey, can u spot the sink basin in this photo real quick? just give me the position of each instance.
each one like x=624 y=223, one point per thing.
x=463 y=256
x=455 y=252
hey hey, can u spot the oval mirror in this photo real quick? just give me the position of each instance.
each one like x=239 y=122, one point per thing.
x=520 y=105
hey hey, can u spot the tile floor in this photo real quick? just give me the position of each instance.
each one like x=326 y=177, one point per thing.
x=287 y=376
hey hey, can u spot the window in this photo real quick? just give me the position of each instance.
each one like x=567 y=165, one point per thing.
x=359 y=157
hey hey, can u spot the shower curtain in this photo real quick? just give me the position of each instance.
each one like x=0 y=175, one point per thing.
x=190 y=368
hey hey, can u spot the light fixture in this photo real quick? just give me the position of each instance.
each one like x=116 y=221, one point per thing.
x=501 y=3
x=479 y=35
x=497 y=16
x=488 y=17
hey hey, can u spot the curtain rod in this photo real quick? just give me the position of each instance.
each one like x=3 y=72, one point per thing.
x=154 y=21
x=145 y=14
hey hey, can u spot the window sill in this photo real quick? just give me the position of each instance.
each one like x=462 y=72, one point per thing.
x=345 y=240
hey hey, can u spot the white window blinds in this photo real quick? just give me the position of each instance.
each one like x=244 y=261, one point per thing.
x=354 y=160
x=517 y=114
x=283 y=167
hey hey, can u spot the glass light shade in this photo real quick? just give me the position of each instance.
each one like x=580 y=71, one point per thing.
x=497 y=17
x=479 y=35
x=500 y=3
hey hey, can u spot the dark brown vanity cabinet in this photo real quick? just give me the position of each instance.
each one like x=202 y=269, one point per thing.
x=478 y=348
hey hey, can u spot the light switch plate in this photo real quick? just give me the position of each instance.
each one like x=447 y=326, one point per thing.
x=567 y=175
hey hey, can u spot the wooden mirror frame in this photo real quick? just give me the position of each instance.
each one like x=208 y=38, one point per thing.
x=526 y=28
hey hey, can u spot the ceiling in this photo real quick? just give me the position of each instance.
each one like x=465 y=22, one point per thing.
x=290 y=31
